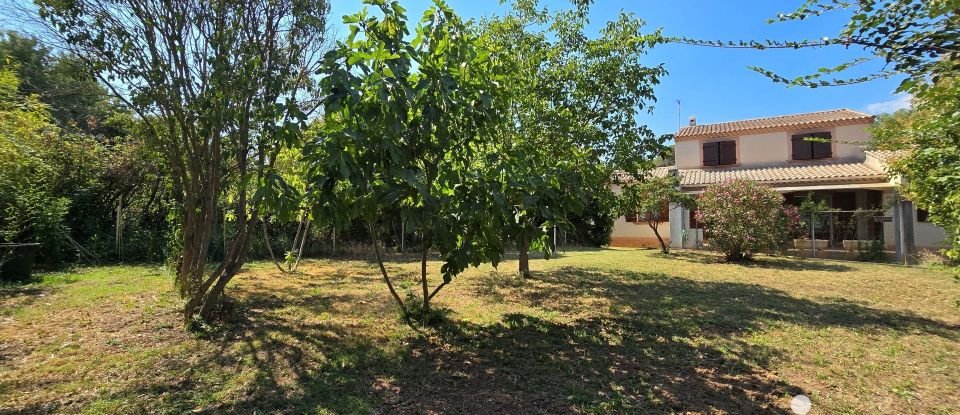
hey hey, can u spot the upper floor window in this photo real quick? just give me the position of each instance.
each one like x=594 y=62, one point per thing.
x=805 y=148
x=720 y=153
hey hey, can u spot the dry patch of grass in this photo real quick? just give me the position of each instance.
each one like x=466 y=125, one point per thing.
x=604 y=331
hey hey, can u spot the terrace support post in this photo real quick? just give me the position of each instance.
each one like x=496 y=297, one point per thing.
x=863 y=219
x=898 y=241
x=554 y=247
x=906 y=220
x=813 y=235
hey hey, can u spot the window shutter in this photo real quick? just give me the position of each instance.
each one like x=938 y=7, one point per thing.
x=631 y=217
x=822 y=150
x=802 y=150
x=728 y=152
x=665 y=213
x=711 y=156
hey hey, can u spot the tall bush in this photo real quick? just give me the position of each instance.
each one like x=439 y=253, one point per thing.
x=743 y=217
x=30 y=211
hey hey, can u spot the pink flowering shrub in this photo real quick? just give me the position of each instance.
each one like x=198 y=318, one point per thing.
x=793 y=223
x=742 y=217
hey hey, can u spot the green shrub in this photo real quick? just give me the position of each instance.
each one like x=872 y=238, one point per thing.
x=742 y=217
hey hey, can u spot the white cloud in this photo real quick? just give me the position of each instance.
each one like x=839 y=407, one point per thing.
x=899 y=102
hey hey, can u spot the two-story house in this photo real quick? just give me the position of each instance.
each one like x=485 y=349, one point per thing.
x=778 y=152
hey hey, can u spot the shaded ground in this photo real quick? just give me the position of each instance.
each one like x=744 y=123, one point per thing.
x=606 y=331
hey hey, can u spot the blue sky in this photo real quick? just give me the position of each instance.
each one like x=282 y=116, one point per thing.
x=714 y=84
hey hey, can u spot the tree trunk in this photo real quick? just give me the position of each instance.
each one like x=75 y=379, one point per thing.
x=383 y=271
x=423 y=280
x=663 y=246
x=199 y=217
x=303 y=240
x=266 y=240
x=524 y=257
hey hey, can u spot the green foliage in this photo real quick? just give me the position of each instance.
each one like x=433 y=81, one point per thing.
x=891 y=131
x=931 y=165
x=218 y=88
x=62 y=81
x=811 y=215
x=572 y=89
x=30 y=209
x=89 y=154
x=651 y=197
x=573 y=102
x=408 y=131
x=593 y=226
x=742 y=217
x=871 y=251
x=912 y=37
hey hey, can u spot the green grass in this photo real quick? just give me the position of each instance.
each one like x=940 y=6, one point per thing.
x=601 y=331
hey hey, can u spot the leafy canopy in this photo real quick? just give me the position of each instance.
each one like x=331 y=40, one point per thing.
x=917 y=38
x=573 y=100
x=650 y=198
x=408 y=128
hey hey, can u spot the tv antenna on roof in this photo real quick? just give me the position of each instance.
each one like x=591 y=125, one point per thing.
x=679 y=123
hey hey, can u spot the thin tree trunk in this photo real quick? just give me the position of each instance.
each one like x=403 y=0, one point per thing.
x=423 y=279
x=303 y=239
x=663 y=246
x=296 y=241
x=266 y=240
x=383 y=271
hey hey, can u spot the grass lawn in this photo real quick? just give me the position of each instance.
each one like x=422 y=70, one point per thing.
x=604 y=331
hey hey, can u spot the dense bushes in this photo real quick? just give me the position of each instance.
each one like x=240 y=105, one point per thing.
x=743 y=217
x=75 y=175
x=30 y=210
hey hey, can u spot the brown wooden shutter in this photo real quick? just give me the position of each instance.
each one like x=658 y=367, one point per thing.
x=802 y=150
x=822 y=150
x=711 y=156
x=665 y=213
x=728 y=152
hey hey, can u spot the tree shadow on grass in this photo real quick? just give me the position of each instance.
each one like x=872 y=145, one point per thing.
x=762 y=261
x=673 y=345
x=660 y=344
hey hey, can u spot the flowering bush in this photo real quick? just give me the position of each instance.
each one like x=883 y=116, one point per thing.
x=742 y=217
x=793 y=223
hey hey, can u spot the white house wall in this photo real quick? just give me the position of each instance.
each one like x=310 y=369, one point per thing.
x=768 y=149
x=925 y=235
x=687 y=154
x=763 y=149
x=850 y=140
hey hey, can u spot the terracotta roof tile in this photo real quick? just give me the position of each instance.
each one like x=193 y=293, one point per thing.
x=887 y=156
x=779 y=123
x=621 y=176
x=806 y=173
